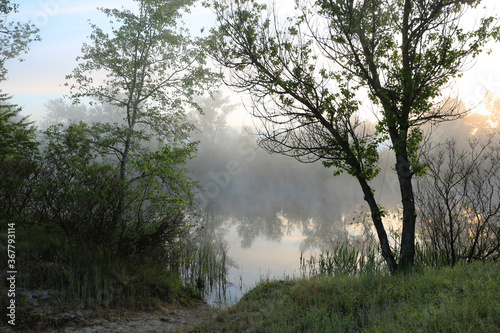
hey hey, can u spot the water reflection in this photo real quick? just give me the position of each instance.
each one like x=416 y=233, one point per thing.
x=268 y=244
x=267 y=240
x=269 y=208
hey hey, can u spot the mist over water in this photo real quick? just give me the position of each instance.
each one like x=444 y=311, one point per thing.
x=271 y=208
x=268 y=209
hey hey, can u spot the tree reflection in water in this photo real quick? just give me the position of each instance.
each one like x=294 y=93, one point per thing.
x=257 y=202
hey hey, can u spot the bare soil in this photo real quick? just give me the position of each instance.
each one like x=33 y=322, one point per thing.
x=172 y=318
x=168 y=319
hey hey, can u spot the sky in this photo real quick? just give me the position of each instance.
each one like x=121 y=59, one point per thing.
x=64 y=27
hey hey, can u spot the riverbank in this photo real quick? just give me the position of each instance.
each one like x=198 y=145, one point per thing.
x=465 y=298
x=168 y=319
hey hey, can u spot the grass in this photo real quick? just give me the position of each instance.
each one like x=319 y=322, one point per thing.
x=344 y=260
x=465 y=298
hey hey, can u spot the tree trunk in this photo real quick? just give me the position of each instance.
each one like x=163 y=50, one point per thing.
x=118 y=218
x=379 y=226
x=451 y=221
x=407 y=251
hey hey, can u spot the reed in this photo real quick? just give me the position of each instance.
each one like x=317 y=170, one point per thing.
x=57 y=279
x=205 y=266
x=343 y=259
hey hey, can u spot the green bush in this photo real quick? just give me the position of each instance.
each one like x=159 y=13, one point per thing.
x=98 y=240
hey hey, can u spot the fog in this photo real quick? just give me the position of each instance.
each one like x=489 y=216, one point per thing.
x=266 y=210
x=268 y=195
x=264 y=195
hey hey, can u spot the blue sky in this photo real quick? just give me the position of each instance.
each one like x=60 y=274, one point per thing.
x=64 y=28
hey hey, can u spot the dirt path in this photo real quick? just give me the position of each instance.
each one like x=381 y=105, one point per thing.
x=168 y=319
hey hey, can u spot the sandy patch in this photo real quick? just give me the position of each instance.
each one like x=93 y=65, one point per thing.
x=168 y=319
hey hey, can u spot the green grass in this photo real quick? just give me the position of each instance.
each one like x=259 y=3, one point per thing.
x=465 y=298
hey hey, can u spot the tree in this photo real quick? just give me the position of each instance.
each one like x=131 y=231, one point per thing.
x=307 y=75
x=59 y=111
x=211 y=124
x=17 y=134
x=80 y=193
x=14 y=36
x=77 y=191
x=152 y=69
x=18 y=152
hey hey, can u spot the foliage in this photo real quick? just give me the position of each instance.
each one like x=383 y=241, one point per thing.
x=14 y=36
x=81 y=194
x=152 y=68
x=211 y=124
x=102 y=209
x=71 y=236
x=144 y=57
x=77 y=195
x=17 y=134
x=60 y=282
x=18 y=151
x=59 y=111
x=306 y=75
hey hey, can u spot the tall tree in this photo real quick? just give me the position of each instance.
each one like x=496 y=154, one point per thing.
x=17 y=133
x=307 y=75
x=59 y=111
x=18 y=151
x=151 y=69
x=211 y=125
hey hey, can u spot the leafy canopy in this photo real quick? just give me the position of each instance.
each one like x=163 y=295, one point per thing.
x=15 y=37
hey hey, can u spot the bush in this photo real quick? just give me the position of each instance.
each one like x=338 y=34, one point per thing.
x=100 y=240
x=80 y=193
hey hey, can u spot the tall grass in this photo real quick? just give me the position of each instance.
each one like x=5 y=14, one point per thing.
x=57 y=279
x=205 y=267
x=343 y=259
x=350 y=290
